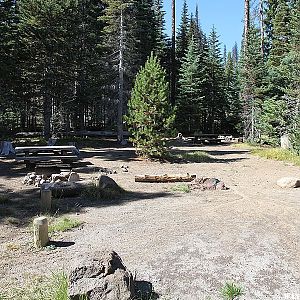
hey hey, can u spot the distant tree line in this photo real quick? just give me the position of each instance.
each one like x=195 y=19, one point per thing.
x=71 y=65
x=270 y=71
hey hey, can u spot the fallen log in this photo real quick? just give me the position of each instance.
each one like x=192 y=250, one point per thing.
x=165 y=178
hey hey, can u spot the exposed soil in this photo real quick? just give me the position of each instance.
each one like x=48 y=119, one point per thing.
x=186 y=245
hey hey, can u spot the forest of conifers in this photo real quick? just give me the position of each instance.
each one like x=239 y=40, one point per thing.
x=70 y=65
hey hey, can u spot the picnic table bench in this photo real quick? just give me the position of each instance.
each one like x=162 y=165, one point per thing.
x=34 y=154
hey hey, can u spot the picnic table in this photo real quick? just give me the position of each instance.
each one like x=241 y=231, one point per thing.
x=207 y=138
x=35 y=154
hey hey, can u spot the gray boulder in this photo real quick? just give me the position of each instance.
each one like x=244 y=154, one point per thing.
x=106 y=182
x=101 y=276
x=289 y=182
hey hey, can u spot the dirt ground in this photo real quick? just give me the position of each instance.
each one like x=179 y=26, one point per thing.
x=186 y=244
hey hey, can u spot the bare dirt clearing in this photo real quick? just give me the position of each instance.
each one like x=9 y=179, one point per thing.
x=186 y=245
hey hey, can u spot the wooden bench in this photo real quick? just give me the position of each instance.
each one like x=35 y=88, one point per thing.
x=33 y=154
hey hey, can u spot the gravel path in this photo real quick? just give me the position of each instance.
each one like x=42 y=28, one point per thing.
x=186 y=245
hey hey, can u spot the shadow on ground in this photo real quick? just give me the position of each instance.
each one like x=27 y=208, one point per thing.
x=18 y=208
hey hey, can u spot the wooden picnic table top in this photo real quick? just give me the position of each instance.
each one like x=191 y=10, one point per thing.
x=45 y=148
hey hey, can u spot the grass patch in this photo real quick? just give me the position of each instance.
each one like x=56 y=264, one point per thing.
x=63 y=224
x=95 y=193
x=277 y=154
x=54 y=288
x=183 y=188
x=271 y=153
x=193 y=157
x=231 y=291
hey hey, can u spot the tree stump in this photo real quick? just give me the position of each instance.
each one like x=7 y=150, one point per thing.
x=46 y=200
x=40 y=232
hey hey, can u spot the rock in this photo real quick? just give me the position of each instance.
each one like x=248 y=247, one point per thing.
x=107 y=182
x=101 y=276
x=56 y=177
x=65 y=174
x=32 y=176
x=73 y=177
x=289 y=182
x=208 y=184
x=66 y=189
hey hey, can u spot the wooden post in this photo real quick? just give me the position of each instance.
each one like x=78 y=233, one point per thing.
x=40 y=232
x=46 y=200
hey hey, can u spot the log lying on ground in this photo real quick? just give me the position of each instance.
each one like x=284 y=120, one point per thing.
x=165 y=178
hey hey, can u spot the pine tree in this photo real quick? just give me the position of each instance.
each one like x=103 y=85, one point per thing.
x=252 y=77
x=160 y=47
x=9 y=61
x=233 y=104
x=190 y=96
x=216 y=96
x=149 y=114
x=290 y=68
x=182 y=33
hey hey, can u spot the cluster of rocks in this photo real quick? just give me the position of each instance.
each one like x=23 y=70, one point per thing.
x=205 y=183
x=38 y=180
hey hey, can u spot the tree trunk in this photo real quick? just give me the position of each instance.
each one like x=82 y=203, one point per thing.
x=261 y=17
x=173 y=55
x=246 y=25
x=121 y=80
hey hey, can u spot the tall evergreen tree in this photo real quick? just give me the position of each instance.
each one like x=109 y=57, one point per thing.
x=190 y=97
x=233 y=106
x=9 y=71
x=149 y=114
x=216 y=96
x=182 y=33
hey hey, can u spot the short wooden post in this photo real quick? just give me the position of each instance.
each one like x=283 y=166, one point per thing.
x=40 y=232
x=46 y=200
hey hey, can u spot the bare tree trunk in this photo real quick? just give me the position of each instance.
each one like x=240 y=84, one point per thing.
x=121 y=80
x=261 y=17
x=173 y=55
x=246 y=25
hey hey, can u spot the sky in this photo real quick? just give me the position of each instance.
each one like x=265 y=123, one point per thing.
x=225 y=15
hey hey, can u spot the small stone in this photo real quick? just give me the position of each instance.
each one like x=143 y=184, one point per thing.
x=288 y=182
